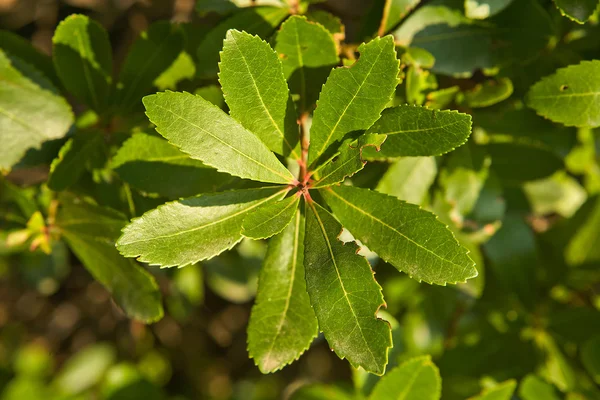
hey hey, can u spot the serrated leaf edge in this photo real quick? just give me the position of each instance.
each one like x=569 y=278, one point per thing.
x=466 y=251
x=141 y=258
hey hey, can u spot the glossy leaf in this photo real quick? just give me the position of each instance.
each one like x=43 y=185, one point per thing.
x=394 y=11
x=584 y=245
x=150 y=55
x=256 y=92
x=482 y=9
x=153 y=165
x=590 y=357
x=577 y=10
x=329 y=21
x=442 y=98
x=489 y=93
x=270 y=218
x=534 y=388
x=516 y=162
x=206 y=133
x=83 y=59
x=19 y=47
x=73 y=158
x=282 y=323
x=344 y=294
x=409 y=179
x=184 y=232
x=348 y=162
x=90 y=231
x=458 y=50
x=513 y=257
x=308 y=52
x=85 y=369
x=181 y=69
x=353 y=98
x=569 y=96
x=415 y=379
x=259 y=21
x=409 y=238
x=418 y=131
x=30 y=114
x=502 y=391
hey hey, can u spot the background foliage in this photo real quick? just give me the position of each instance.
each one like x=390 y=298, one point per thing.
x=79 y=159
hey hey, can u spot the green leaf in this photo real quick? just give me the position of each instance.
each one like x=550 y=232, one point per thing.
x=318 y=392
x=442 y=98
x=502 y=391
x=259 y=21
x=152 y=165
x=184 y=232
x=584 y=245
x=21 y=48
x=561 y=194
x=150 y=55
x=206 y=133
x=556 y=368
x=415 y=379
x=516 y=162
x=534 y=388
x=29 y=114
x=329 y=21
x=353 y=98
x=212 y=93
x=181 y=69
x=521 y=19
x=344 y=294
x=409 y=238
x=90 y=231
x=489 y=93
x=590 y=357
x=83 y=59
x=409 y=179
x=458 y=50
x=72 y=159
x=462 y=180
x=85 y=369
x=569 y=96
x=204 y=7
x=348 y=162
x=308 y=52
x=418 y=131
x=425 y=16
x=270 y=218
x=282 y=323
x=418 y=81
x=577 y=10
x=394 y=11
x=482 y=9
x=256 y=92
x=513 y=257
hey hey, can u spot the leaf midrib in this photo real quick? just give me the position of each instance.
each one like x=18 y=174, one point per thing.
x=329 y=247
x=418 y=129
x=319 y=183
x=86 y=73
x=287 y=178
x=268 y=112
x=197 y=228
x=326 y=143
x=290 y=288
x=274 y=216
x=411 y=382
x=393 y=229
x=585 y=94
